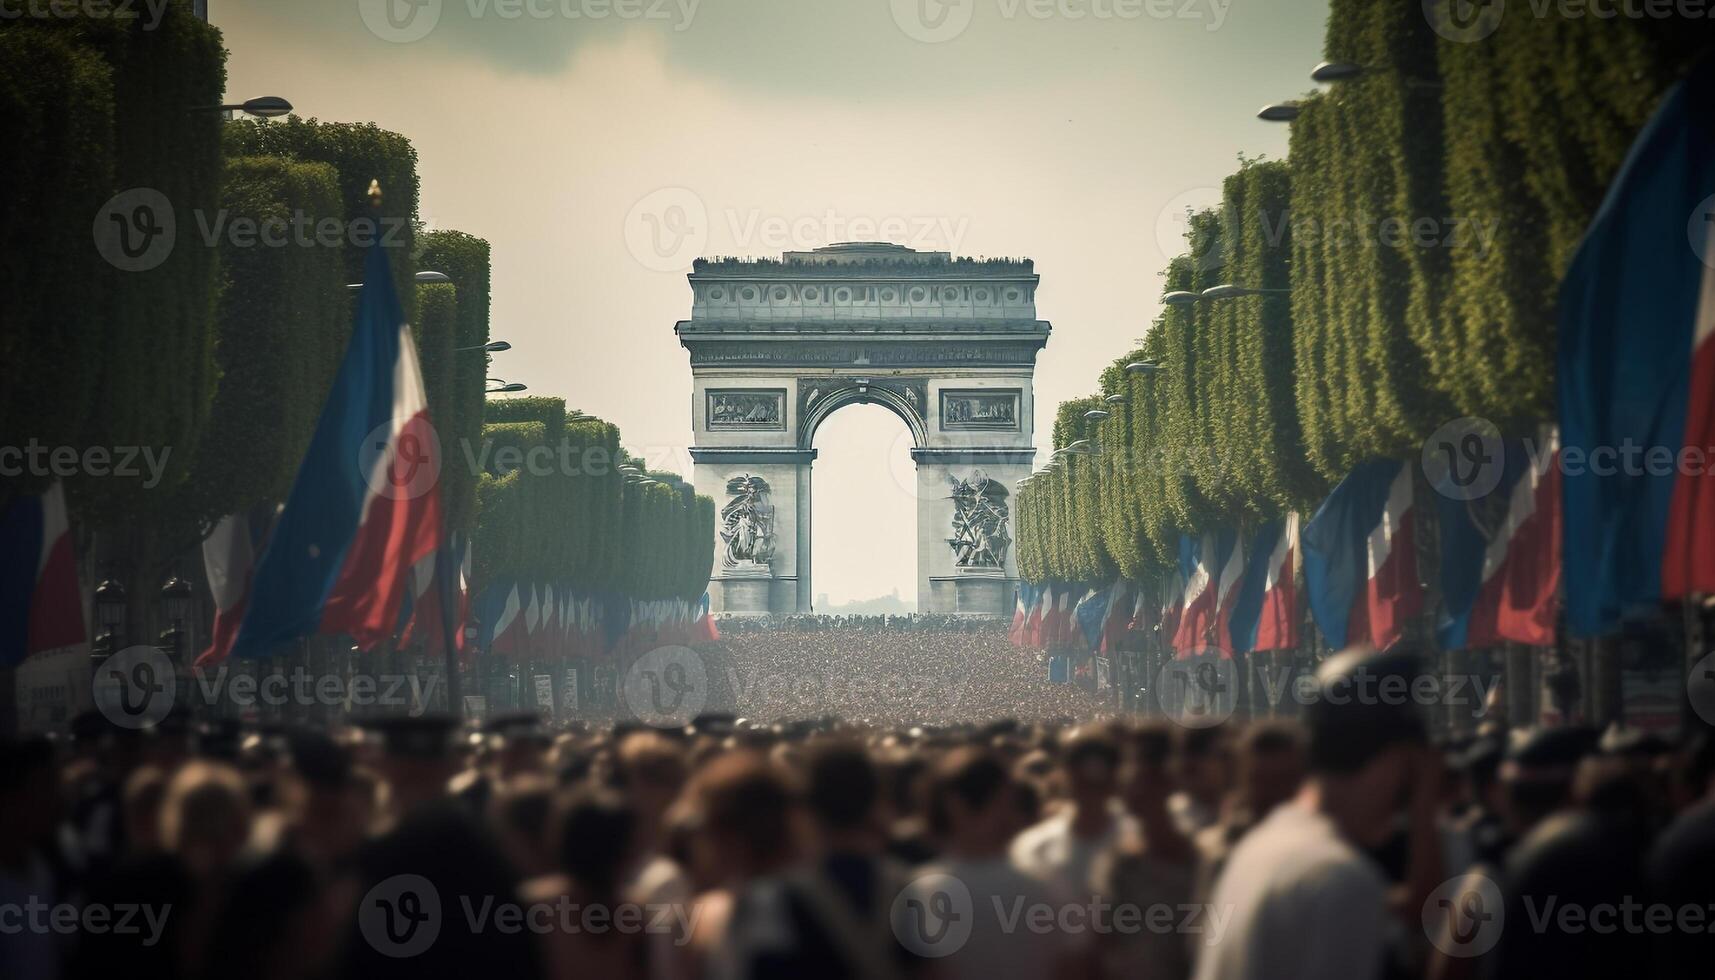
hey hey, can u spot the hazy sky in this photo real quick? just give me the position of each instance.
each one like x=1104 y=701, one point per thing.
x=1074 y=132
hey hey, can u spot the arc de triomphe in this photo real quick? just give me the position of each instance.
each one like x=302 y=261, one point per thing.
x=777 y=346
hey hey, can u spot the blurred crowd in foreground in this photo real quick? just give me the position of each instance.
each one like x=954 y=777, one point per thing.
x=1342 y=845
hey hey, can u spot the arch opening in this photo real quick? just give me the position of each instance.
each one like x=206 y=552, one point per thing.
x=863 y=512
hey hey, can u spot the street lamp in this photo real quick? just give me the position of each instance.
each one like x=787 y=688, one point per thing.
x=1227 y=290
x=1179 y=297
x=1335 y=71
x=505 y=387
x=1144 y=367
x=176 y=600
x=424 y=278
x=493 y=347
x=264 y=107
x=1097 y=414
x=110 y=613
x=1279 y=112
x=1115 y=399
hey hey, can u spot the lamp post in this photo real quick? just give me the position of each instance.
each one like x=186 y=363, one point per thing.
x=262 y=107
x=505 y=387
x=1145 y=368
x=1227 y=290
x=110 y=613
x=1279 y=112
x=493 y=347
x=176 y=604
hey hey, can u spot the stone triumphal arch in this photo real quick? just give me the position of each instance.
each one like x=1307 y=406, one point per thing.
x=778 y=345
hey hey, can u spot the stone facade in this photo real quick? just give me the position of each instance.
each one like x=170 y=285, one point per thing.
x=777 y=346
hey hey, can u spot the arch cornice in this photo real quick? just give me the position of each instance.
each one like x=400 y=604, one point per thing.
x=819 y=398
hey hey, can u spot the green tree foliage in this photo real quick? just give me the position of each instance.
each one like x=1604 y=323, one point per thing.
x=458 y=415
x=283 y=323
x=359 y=153
x=56 y=109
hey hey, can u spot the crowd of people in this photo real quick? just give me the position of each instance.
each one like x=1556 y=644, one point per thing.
x=1344 y=844
x=819 y=623
x=893 y=676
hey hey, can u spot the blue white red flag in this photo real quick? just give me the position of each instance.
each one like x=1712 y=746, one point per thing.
x=40 y=605
x=366 y=504
x=1360 y=558
x=1636 y=373
x=1203 y=562
x=1500 y=554
x=1265 y=610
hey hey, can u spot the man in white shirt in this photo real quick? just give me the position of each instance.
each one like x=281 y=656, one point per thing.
x=1302 y=896
x=1061 y=850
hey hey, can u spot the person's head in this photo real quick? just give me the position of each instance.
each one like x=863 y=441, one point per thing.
x=1366 y=738
x=521 y=812
x=650 y=769
x=745 y=807
x=1204 y=767
x=1091 y=760
x=1271 y=765
x=1147 y=776
x=205 y=816
x=971 y=803
x=140 y=808
x=597 y=830
x=842 y=788
x=1537 y=773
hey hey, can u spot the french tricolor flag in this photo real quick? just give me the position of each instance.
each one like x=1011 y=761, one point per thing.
x=1360 y=558
x=1265 y=611
x=1227 y=582
x=1020 y=613
x=1636 y=373
x=40 y=605
x=366 y=504
x=1204 y=564
x=501 y=612
x=229 y=560
x=1500 y=565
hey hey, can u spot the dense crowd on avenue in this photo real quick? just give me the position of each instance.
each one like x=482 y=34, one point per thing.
x=1344 y=844
x=820 y=623
x=885 y=675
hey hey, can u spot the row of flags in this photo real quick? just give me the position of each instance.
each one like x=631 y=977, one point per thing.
x=1232 y=593
x=40 y=605
x=543 y=621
